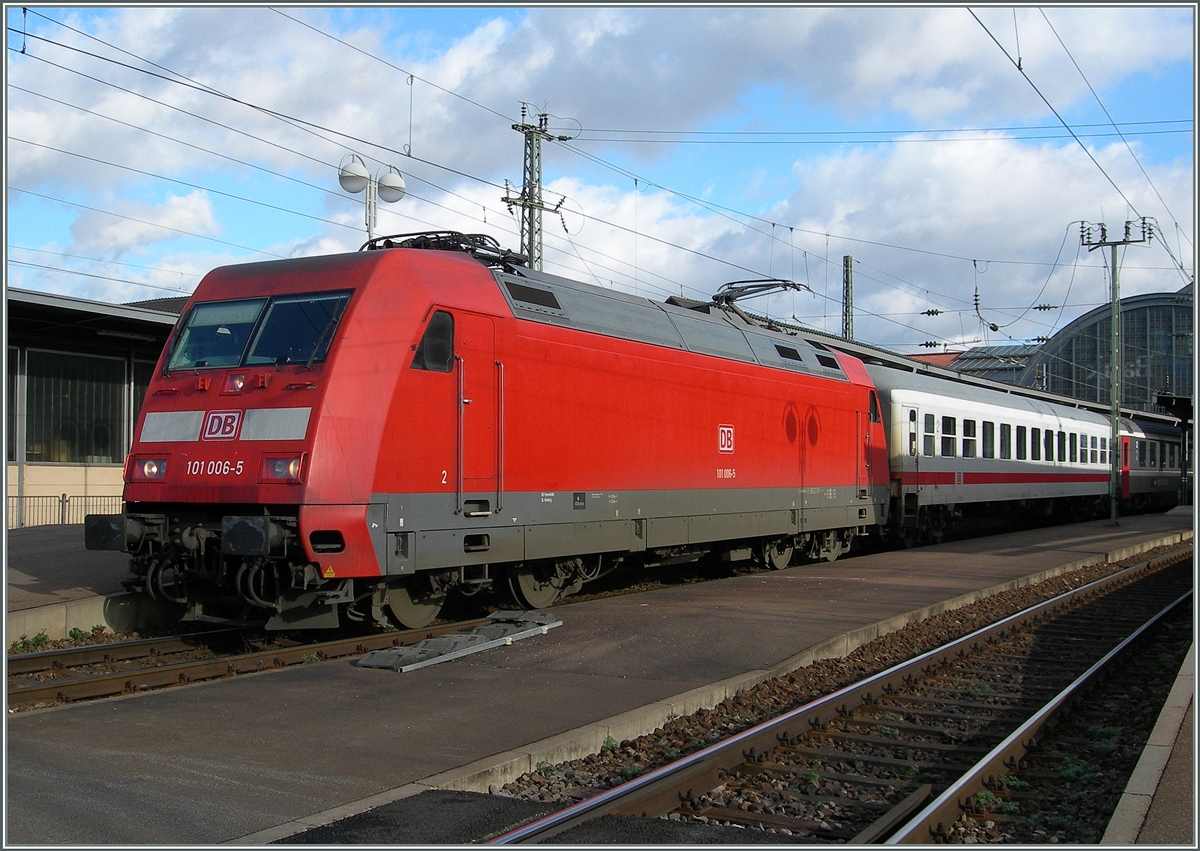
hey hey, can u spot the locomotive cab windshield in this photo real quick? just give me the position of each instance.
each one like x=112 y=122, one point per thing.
x=258 y=331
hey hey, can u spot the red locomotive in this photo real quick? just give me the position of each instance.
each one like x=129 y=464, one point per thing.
x=368 y=433
x=372 y=431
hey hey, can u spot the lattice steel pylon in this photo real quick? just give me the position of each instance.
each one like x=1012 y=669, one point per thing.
x=530 y=197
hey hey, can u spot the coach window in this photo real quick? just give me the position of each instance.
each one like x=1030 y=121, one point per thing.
x=912 y=433
x=1049 y=444
x=949 y=437
x=1074 y=448
x=1153 y=453
x=1021 y=454
x=1104 y=450
x=1141 y=453
x=989 y=439
x=1171 y=446
x=1005 y=441
x=436 y=350
x=1062 y=446
x=1035 y=444
x=930 y=423
x=968 y=438
x=1095 y=454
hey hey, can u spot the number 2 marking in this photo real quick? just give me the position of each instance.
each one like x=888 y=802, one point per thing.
x=443 y=477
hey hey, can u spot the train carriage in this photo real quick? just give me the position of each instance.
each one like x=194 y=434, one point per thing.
x=958 y=448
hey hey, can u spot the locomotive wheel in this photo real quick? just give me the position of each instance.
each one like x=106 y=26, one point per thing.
x=413 y=609
x=536 y=586
x=777 y=554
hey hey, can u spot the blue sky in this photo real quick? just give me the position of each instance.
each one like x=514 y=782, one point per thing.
x=904 y=137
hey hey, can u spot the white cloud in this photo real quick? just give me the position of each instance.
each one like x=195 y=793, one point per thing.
x=139 y=225
x=630 y=68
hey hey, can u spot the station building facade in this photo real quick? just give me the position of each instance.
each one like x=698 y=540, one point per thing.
x=76 y=372
x=1157 y=349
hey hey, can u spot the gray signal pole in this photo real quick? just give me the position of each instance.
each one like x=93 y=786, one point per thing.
x=1114 y=358
x=847 y=297
x=530 y=199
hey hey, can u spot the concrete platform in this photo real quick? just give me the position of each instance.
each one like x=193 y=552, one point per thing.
x=48 y=565
x=255 y=759
x=55 y=585
x=1159 y=803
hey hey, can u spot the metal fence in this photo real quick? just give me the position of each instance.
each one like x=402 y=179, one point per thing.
x=58 y=510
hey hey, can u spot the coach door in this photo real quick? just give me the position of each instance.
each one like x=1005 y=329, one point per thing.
x=910 y=466
x=480 y=378
x=1124 y=467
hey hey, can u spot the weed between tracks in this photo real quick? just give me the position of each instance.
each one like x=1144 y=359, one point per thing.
x=75 y=638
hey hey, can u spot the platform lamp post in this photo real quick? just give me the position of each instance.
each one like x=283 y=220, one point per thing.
x=387 y=185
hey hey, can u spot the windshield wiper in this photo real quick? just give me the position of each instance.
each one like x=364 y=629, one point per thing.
x=333 y=320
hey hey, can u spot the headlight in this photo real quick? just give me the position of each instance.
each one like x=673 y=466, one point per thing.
x=149 y=468
x=282 y=468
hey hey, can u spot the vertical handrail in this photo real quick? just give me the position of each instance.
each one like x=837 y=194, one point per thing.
x=462 y=406
x=499 y=435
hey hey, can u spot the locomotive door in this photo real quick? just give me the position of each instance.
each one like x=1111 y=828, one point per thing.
x=478 y=429
x=860 y=457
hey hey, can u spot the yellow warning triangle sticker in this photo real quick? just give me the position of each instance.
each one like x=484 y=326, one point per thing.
x=329 y=571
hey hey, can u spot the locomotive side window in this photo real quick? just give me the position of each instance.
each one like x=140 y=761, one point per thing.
x=949 y=437
x=1035 y=444
x=1021 y=454
x=1006 y=441
x=436 y=349
x=968 y=439
x=297 y=329
x=215 y=334
x=930 y=424
x=989 y=439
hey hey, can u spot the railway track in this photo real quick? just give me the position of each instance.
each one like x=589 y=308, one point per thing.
x=903 y=755
x=62 y=676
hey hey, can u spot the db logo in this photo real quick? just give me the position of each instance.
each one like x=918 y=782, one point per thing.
x=221 y=425
x=725 y=439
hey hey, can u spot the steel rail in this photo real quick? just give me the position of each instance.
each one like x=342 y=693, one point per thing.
x=930 y=823
x=659 y=791
x=144 y=679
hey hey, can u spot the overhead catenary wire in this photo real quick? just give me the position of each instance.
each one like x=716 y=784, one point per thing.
x=1050 y=106
x=664 y=242
x=295 y=121
x=1128 y=147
